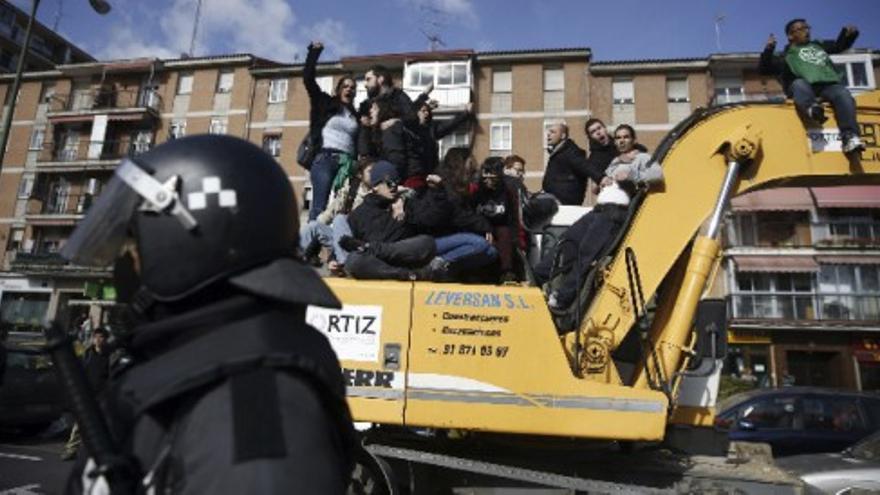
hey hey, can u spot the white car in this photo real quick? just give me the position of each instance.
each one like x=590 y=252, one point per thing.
x=856 y=470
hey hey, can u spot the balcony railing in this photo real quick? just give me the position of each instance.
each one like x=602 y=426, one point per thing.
x=805 y=307
x=68 y=204
x=46 y=262
x=91 y=150
x=833 y=234
x=105 y=99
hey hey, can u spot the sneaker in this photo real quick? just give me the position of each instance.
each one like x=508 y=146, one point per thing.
x=817 y=114
x=853 y=145
x=351 y=244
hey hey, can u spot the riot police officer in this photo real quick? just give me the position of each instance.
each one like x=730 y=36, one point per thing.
x=230 y=391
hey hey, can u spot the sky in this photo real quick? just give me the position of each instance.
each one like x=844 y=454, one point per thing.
x=281 y=29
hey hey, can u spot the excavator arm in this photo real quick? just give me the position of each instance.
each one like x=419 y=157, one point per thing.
x=713 y=156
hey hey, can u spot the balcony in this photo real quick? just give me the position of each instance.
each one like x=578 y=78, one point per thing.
x=805 y=307
x=118 y=105
x=49 y=263
x=79 y=155
x=58 y=209
x=836 y=234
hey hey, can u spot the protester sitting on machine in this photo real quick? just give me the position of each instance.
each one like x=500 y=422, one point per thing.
x=583 y=243
x=387 y=231
x=431 y=130
x=806 y=71
x=326 y=230
x=497 y=200
x=465 y=241
x=379 y=82
x=387 y=138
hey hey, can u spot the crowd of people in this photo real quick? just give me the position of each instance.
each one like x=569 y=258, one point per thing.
x=386 y=207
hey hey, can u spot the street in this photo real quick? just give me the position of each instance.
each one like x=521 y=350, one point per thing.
x=31 y=465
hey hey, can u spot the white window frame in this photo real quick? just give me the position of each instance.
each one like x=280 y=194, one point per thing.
x=225 y=81
x=272 y=144
x=177 y=129
x=278 y=90
x=435 y=66
x=38 y=137
x=724 y=86
x=500 y=126
x=623 y=99
x=504 y=83
x=25 y=187
x=218 y=125
x=670 y=98
x=847 y=60
x=185 y=83
x=554 y=89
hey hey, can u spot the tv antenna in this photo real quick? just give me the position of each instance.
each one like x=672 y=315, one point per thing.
x=433 y=21
x=434 y=40
x=719 y=18
x=192 y=41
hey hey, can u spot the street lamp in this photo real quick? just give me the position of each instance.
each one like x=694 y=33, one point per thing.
x=99 y=6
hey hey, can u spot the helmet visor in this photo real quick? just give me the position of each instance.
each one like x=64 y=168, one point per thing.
x=99 y=237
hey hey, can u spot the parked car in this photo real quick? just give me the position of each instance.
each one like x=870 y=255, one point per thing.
x=800 y=420
x=30 y=394
x=855 y=470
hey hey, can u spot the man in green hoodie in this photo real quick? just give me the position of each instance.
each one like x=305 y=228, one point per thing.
x=806 y=71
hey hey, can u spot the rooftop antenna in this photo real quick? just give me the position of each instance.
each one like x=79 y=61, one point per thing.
x=433 y=20
x=719 y=18
x=192 y=41
x=57 y=20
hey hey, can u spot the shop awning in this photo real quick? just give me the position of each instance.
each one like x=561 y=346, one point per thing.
x=847 y=197
x=776 y=264
x=861 y=259
x=780 y=199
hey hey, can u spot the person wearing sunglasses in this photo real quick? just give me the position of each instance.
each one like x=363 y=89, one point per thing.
x=807 y=72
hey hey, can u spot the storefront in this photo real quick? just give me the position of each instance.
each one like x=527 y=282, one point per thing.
x=866 y=355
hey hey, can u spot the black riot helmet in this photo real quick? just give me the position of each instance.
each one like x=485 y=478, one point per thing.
x=201 y=210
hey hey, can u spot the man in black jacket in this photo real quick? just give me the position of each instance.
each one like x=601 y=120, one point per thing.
x=431 y=130
x=806 y=71
x=96 y=361
x=388 y=232
x=379 y=82
x=567 y=170
x=230 y=391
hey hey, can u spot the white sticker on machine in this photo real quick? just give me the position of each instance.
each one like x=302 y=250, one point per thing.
x=822 y=140
x=355 y=332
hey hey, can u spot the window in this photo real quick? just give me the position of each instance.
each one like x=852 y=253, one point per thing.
x=786 y=296
x=554 y=90
x=502 y=88
x=47 y=92
x=849 y=292
x=441 y=74
x=501 y=137
x=218 y=125
x=729 y=89
x=623 y=108
x=272 y=144
x=461 y=137
x=37 y=138
x=225 y=80
x=278 y=91
x=325 y=83
x=25 y=187
x=177 y=129
x=677 y=99
x=185 y=83
x=832 y=414
x=857 y=71
x=16 y=236
x=770 y=413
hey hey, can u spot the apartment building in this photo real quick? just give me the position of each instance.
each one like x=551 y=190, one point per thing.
x=74 y=122
x=71 y=127
x=802 y=271
x=47 y=48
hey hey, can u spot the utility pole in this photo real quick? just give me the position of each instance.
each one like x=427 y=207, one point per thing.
x=718 y=20
x=192 y=41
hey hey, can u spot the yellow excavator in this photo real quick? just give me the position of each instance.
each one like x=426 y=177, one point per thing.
x=477 y=380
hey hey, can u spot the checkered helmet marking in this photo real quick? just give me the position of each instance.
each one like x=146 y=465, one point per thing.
x=226 y=198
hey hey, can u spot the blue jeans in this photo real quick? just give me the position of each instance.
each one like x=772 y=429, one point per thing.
x=804 y=95
x=315 y=235
x=465 y=250
x=321 y=175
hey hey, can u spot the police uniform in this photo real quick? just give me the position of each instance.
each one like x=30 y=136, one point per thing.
x=230 y=391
